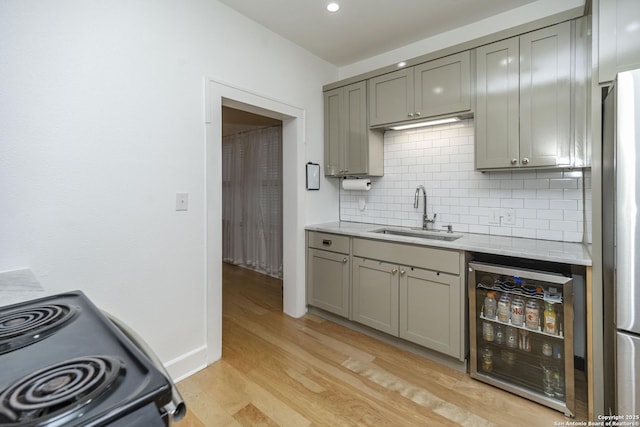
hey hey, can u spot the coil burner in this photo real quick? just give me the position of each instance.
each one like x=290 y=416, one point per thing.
x=54 y=395
x=22 y=327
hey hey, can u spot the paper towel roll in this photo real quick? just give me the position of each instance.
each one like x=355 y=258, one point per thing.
x=356 y=184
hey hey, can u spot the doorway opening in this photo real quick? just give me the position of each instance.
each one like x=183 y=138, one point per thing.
x=252 y=191
x=217 y=96
x=251 y=216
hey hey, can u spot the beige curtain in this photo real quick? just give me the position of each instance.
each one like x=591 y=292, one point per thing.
x=252 y=200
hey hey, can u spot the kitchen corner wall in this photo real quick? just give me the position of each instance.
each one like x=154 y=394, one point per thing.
x=548 y=204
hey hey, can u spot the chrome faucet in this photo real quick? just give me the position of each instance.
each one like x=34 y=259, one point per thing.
x=425 y=218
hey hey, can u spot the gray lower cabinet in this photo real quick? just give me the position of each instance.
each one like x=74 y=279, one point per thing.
x=412 y=292
x=523 y=114
x=375 y=295
x=430 y=309
x=328 y=273
x=423 y=304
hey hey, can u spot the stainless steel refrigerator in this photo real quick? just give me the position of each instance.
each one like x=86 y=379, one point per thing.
x=621 y=243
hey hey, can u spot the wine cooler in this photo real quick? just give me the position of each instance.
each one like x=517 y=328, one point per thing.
x=521 y=333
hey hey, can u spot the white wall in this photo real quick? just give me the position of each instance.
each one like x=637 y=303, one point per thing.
x=101 y=123
x=512 y=18
x=548 y=204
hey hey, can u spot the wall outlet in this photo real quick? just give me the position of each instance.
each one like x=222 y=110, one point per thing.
x=509 y=216
x=494 y=216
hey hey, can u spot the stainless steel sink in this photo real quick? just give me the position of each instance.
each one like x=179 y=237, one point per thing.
x=421 y=234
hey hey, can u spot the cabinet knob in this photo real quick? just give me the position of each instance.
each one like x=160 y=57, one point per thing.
x=525 y=161
x=410 y=115
x=394 y=271
x=417 y=113
x=514 y=161
x=344 y=260
x=402 y=272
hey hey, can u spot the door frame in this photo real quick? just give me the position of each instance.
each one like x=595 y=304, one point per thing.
x=218 y=94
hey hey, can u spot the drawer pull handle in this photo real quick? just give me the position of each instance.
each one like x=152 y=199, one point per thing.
x=326 y=242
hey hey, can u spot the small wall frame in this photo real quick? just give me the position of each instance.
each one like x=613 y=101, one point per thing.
x=313 y=176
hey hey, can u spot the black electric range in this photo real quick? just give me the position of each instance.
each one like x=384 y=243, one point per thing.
x=64 y=363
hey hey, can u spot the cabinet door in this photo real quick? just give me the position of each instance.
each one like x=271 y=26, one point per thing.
x=391 y=97
x=333 y=134
x=619 y=44
x=328 y=281
x=431 y=310
x=375 y=295
x=545 y=97
x=497 y=109
x=356 y=144
x=443 y=86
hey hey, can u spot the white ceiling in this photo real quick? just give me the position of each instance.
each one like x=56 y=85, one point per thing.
x=365 y=28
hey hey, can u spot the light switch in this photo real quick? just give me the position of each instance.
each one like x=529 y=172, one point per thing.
x=494 y=216
x=182 y=201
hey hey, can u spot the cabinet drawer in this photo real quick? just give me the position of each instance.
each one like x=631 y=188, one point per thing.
x=444 y=260
x=329 y=242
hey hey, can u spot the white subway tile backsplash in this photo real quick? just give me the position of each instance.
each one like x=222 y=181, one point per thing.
x=512 y=183
x=571 y=205
x=537 y=204
x=549 y=214
x=512 y=203
x=548 y=204
x=536 y=183
x=563 y=183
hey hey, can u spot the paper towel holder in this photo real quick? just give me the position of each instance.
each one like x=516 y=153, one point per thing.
x=358 y=184
x=313 y=176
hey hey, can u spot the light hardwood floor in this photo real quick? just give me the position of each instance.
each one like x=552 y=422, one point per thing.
x=280 y=371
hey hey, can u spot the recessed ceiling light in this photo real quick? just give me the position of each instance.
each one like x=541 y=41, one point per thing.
x=333 y=7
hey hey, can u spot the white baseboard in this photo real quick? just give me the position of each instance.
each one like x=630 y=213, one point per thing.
x=187 y=364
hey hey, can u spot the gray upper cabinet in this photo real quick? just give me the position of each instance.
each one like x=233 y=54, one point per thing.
x=434 y=88
x=524 y=101
x=443 y=86
x=618 y=38
x=391 y=97
x=350 y=147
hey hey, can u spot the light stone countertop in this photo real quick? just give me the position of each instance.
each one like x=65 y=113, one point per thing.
x=18 y=286
x=541 y=250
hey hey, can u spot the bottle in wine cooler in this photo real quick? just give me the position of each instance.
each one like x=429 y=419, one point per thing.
x=517 y=311
x=532 y=314
x=504 y=308
x=550 y=319
x=490 y=305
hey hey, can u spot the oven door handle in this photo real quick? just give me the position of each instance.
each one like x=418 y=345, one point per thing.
x=176 y=408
